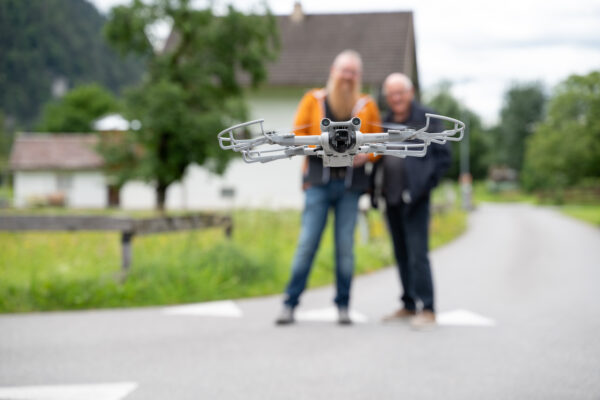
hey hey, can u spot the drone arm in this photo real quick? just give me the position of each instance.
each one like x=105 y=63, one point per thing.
x=264 y=156
x=391 y=136
x=362 y=138
x=294 y=140
x=401 y=150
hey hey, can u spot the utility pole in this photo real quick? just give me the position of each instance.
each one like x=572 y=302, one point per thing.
x=465 y=178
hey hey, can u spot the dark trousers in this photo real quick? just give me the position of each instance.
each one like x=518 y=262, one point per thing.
x=409 y=228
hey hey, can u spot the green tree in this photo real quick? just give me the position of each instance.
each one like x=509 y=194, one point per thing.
x=192 y=88
x=564 y=150
x=43 y=41
x=443 y=102
x=76 y=111
x=5 y=145
x=522 y=110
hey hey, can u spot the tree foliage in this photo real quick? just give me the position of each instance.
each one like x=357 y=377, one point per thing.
x=443 y=102
x=5 y=144
x=76 y=111
x=45 y=40
x=522 y=110
x=564 y=150
x=192 y=88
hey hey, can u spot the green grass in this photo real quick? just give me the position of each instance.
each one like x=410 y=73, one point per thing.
x=485 y=192
x=582 y=206
x=6 y=195
x=589 y=212
x=66 y=270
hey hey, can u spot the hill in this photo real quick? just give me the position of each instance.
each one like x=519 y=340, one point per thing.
x=48 y=46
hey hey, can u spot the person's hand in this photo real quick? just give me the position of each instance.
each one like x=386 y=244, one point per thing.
x=406 y=197
x=360 y=160
x=374 y=201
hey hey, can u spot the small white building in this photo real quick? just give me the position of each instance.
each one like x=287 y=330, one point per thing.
x=58 y=170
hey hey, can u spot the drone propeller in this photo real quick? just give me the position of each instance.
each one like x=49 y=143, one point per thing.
x=392 y=125
x=289 y=129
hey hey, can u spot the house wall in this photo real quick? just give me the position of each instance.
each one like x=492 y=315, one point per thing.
x=82 y=189
x=88 y=190
x=28 y=185
x=272 y=185
x=137 y=195
x=242 y=186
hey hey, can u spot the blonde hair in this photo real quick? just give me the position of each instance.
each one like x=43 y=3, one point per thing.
x=348 y=53
x=342 y=103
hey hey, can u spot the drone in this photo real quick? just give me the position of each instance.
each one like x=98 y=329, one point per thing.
x=338 y=142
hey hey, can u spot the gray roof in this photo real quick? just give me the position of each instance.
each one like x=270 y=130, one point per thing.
x=55 y=152
x=385 y=41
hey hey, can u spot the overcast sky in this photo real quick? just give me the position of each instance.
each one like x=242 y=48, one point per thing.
x=480 y=46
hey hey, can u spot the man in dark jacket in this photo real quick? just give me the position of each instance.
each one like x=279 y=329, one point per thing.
x=406 y=187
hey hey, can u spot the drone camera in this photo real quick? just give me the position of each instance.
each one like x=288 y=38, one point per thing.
x=342 y=140
x=356 y=121
x=325 y=122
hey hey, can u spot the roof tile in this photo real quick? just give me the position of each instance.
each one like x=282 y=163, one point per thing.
x=55 y=151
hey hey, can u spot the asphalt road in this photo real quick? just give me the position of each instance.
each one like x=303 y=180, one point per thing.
x=528 y=278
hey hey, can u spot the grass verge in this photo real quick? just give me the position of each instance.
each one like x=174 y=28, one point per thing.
x=484 y=192
x=583 y=206
x=588 y=212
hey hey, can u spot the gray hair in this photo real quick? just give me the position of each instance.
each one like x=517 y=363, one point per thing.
x=397 y=77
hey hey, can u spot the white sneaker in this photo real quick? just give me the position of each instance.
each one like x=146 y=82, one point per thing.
x=286 y=316
x=344 y=316
x=423 y=320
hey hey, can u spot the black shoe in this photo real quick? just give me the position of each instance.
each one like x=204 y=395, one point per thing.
x=344 y=316
x=286 y=316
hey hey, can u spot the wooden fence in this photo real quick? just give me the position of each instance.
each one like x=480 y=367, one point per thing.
x=129 y=227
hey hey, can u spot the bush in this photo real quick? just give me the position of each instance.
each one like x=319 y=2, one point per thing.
x=564 y=150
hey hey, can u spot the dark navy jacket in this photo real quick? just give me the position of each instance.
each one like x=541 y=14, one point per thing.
x=419 y=174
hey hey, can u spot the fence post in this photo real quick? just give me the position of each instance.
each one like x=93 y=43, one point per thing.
x=229 y=228
x=126 y=238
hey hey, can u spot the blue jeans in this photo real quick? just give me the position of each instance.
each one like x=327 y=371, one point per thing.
x=319 y=199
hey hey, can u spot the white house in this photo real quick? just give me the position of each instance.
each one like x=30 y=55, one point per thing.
x=58 y=169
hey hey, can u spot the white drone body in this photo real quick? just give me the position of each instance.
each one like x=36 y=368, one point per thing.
x=338 y=142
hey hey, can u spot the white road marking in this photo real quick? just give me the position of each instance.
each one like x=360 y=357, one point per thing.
x=225 y=308
x=103 y=391
x=329 y=314
x=463 y=318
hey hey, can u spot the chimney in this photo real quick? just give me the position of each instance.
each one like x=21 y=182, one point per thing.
x=297 y=15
